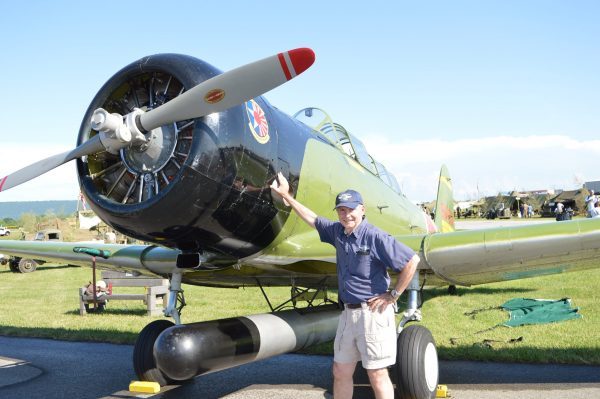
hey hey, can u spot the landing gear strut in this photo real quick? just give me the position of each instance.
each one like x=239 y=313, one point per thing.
x=416 y=370
x=176 y=298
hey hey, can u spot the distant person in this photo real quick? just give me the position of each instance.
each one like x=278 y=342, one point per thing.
x=559 y=211
x=101 y=291
x=568 y=214
x=530 y=211
x=591 y=201
x=596 y=210
x=522 y=210
x=458 y=212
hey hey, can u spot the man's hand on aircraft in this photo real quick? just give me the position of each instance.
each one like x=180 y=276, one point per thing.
x=281 y=186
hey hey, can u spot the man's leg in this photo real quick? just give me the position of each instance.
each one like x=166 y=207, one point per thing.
x=381 y=383
x=343 y=384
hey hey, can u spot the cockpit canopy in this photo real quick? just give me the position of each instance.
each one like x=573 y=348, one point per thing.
x=318 y=120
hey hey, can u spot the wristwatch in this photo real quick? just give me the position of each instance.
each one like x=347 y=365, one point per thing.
x=395 y=294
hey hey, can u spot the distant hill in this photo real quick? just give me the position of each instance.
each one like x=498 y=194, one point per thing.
x=15 y=209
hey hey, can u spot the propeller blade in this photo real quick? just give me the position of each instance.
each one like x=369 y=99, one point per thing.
x=213 y=95
x=38 y=168
x=231 y=88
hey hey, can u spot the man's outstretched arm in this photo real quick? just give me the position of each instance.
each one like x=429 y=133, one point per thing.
x=281 y=186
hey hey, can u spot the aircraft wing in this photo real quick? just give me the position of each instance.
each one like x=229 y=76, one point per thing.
x=462 y=257
x=144 y=259
x=510 y=253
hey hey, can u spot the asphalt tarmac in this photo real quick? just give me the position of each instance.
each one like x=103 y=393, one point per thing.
x=38 y=368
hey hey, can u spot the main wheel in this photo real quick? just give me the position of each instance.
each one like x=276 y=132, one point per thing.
x=27 y=265
x=417 y=369
x=452 y=290
x=143 y=357
x=13 y=264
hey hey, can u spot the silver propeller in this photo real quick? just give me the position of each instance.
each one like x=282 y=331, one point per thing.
x=45 y=165
x=213 y=95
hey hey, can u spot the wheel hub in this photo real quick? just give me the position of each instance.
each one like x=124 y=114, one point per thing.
x=431 y=366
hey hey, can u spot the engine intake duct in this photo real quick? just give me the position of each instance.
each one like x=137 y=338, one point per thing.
x=185 y=351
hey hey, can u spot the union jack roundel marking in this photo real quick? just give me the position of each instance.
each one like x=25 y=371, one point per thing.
x=257 y=122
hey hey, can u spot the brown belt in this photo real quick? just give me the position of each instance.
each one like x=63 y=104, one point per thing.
x=354 y=305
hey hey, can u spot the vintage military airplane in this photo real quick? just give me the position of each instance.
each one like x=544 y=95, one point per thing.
x=175 y=153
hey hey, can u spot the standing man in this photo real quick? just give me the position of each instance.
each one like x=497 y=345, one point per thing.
x=367 y=327
x=559 y=211
x=591 y=201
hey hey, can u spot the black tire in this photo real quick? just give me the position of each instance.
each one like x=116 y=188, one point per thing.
x=143 y=357
x=14 y=265
x=417 y=369
x=27 y=265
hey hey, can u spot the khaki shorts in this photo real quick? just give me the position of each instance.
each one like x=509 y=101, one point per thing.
x=366 y=336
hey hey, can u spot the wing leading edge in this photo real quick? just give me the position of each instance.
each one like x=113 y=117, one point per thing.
x=143 y=259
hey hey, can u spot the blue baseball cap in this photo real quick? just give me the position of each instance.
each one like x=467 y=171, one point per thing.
x=349 y=198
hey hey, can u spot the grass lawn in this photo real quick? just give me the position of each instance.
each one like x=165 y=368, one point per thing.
x=458 y=336
x=45 y=304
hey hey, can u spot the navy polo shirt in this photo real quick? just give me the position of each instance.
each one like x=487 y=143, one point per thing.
x=362 y=258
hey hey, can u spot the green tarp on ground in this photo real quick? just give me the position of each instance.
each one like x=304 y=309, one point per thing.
x=538 y=311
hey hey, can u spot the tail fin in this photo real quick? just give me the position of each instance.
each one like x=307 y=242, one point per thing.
x=444 y=208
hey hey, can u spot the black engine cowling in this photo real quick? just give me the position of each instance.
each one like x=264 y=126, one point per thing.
x=199 y=184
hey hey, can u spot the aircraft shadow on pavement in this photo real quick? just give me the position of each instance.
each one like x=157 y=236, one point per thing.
x=270 y=374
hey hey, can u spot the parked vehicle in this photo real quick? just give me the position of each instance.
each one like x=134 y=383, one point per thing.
x=4 y=231
x=25 y=265
x=48 y=235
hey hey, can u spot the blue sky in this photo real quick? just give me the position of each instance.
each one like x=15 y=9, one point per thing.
x=506 y=93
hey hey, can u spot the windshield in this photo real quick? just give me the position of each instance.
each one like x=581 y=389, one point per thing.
x=319 y=121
